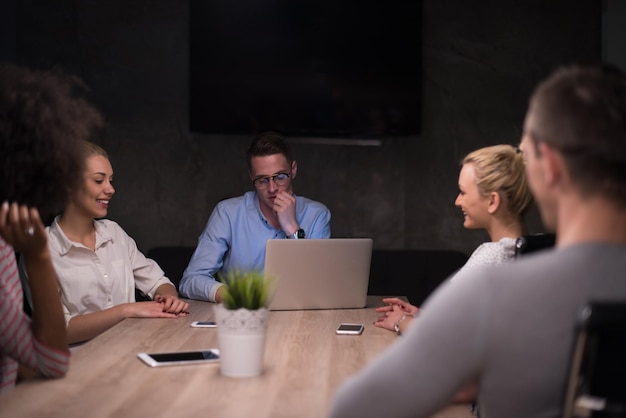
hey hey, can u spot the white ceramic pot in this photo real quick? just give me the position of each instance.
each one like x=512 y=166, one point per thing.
x=241 y=339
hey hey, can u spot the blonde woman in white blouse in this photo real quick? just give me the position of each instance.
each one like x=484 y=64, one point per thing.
x=493 y=195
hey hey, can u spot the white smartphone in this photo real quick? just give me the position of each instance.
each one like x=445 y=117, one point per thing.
x=349 y=329
x=204 y=324
x=210 y=355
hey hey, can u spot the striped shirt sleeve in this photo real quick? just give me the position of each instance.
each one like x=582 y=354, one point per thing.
x=18 y=345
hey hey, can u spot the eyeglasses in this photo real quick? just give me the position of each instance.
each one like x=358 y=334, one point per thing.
x=279 y=178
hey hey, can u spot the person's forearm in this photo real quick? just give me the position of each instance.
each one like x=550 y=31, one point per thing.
x=220 y=294
x=405 y=324
x=47 y=312
x=85 y=327
x=166 y=289
x=197 y=287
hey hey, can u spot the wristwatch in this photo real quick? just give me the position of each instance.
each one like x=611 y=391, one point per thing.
x=396 y=326
x=299 y=234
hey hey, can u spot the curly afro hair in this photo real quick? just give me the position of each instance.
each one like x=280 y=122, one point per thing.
x=43 y=118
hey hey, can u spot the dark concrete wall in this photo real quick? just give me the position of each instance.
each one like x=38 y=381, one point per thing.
x=481 y=60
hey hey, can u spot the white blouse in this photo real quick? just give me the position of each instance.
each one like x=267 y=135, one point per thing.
x=489 y=253
x=92 y=281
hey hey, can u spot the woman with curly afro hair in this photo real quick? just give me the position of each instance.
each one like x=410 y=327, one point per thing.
x=43 y=118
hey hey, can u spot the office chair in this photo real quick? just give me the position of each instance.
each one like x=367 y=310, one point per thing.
x=172 y=260
x=28 y=303
x=533 y=242
x=412 y=273
x=596 y=386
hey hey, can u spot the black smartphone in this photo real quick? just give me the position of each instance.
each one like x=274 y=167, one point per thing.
x=180 y=357
x=203 y=324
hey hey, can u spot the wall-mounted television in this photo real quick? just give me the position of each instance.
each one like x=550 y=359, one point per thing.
x=307 y=68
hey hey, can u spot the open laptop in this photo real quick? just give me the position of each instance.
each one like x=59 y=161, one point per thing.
x=318 y=273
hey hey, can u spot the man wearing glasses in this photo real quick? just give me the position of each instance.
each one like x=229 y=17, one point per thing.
x=238 y=228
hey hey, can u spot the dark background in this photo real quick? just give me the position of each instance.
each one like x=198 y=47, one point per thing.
x=306 y=68
x=480 y=62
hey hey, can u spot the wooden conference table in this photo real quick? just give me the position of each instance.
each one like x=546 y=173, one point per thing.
x=304 y=363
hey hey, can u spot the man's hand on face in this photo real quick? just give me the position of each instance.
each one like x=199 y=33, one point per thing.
x=285 y=208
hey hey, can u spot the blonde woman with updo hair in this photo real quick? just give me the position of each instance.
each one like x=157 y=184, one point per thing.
x=494 y=196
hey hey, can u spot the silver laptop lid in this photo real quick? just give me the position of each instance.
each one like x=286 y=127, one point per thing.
x=319 y=273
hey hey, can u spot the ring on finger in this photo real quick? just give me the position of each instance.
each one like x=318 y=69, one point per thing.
x=30 y=231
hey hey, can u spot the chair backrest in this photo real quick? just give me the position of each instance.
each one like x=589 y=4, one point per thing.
x=411 y=273
x=596 y=386
x=172 y=259
x=533 y=242
x=28 y=302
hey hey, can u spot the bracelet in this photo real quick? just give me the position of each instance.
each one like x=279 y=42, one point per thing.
x=396 y=326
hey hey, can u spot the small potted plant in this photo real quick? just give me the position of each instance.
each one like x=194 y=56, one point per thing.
x=242 y=322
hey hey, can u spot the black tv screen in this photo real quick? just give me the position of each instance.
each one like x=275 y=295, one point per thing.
x=309 y=68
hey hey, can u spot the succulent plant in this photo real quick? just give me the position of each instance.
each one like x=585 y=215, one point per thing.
x=246 y=289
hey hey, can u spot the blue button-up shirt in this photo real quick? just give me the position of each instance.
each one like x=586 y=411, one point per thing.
x=235 y=237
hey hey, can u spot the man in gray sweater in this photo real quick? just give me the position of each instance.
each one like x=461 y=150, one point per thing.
x=511 y=328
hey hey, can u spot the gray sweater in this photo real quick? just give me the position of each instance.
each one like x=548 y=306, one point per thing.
x=511 y=327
